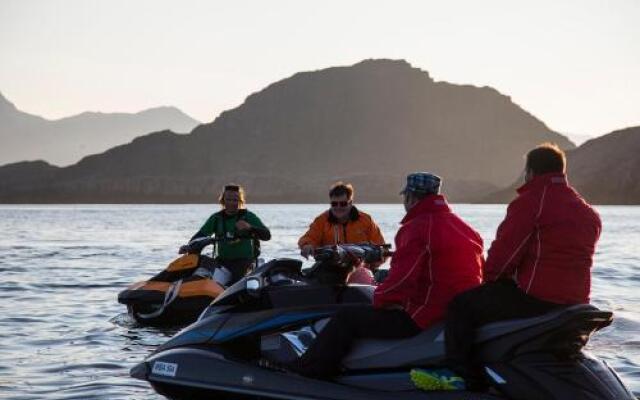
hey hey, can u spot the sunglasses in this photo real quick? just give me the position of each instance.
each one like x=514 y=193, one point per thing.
x=232 y=188
x=339 y=203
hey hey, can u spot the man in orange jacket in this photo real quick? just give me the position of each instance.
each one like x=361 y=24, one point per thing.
x=343 y=223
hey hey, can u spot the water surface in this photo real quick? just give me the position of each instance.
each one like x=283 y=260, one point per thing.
x=64 y=336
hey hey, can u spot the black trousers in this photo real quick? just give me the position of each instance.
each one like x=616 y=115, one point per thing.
x=491 y=302
x=238 y=267
x=323 y=357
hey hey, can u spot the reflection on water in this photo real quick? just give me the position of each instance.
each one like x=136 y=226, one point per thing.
x=65 y=336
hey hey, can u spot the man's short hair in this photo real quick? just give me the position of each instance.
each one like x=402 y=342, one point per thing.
x=546 y=158
x=341 y=189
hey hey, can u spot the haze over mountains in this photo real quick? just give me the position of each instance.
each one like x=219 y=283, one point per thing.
x=65 y=141
x=369 y=123
x=605 y=170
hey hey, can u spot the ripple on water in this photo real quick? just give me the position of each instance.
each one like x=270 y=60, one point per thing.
x=105 y=388
x=85 y=367
x=20 y=320
x=79 y=285
x=13 y=287
x=13 y=270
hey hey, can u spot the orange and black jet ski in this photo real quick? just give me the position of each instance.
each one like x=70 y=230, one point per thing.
x=178 y=294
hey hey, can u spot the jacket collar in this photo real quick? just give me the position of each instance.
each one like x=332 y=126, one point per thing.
x=353 y=216
x=543 y=180
x=241 y=213
x=434 y=203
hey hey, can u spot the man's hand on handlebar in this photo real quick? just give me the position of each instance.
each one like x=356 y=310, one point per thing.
x=196 y=245
x=306 y=251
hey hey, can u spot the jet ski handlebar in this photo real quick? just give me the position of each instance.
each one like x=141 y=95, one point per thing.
x=196 y=245
x=351 y=254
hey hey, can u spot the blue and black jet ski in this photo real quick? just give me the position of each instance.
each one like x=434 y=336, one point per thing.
x=275 y=312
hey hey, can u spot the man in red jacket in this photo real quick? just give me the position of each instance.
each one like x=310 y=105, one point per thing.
x=437 y=256
x=540 y=259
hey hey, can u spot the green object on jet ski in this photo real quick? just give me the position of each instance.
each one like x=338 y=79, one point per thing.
x=439 y=379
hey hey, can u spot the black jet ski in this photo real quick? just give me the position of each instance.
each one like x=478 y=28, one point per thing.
x=275 y=312
x=178 y=294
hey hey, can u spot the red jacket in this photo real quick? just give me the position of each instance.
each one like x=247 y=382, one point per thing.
x=437 y=256
x=546 y=242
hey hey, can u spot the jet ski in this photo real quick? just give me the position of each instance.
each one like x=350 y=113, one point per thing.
x=275 y=312
x=178 y=294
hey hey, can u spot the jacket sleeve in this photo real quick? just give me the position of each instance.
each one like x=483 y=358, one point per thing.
x=375 y=236
x=411 y=251
x=313 y=236
x=508 y=248
x=258 y=228
x=207 y=229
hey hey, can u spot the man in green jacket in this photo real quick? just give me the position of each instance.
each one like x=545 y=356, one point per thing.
x=242 y=231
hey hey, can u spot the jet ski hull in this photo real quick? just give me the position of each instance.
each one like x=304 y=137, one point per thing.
x=154 y=303
x=274 y=313
x=188 y=373
x=173 y=297
x=525 y=360
x=181 y=312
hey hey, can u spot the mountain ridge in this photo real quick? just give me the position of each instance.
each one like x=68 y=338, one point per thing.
x=66 y=140
x=372 y=123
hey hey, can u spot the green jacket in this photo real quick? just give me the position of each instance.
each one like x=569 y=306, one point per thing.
x=222 y=225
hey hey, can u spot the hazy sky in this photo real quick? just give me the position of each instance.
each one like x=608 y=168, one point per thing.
x=573 y=64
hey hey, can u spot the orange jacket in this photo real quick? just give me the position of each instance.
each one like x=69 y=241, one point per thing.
x=326 y=230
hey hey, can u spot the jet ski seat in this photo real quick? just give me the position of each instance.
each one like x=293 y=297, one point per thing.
x=558 y=317
x=427 y=348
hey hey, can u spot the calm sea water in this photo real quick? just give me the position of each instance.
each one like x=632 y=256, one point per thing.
x=64 y=336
